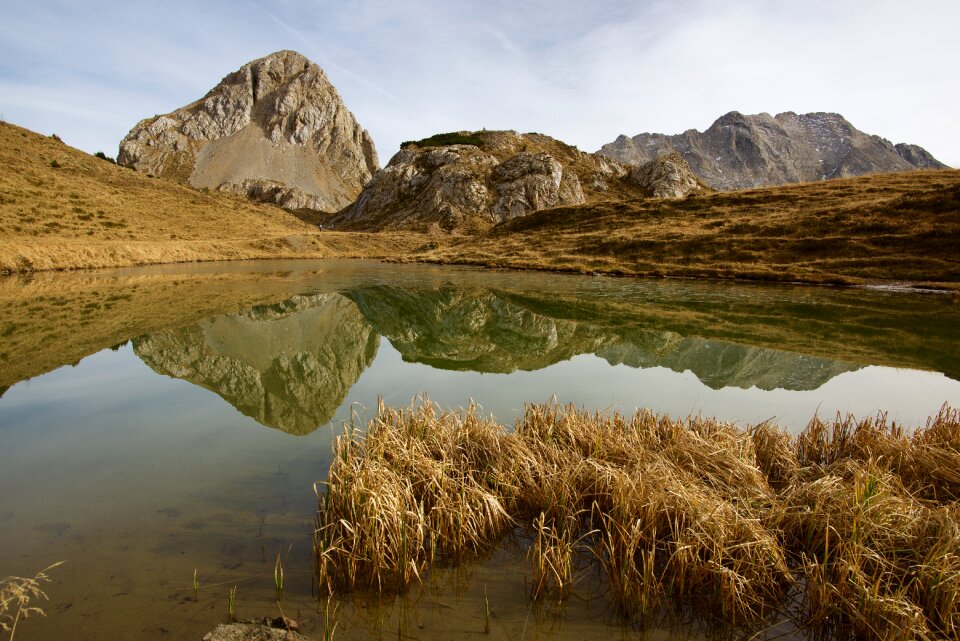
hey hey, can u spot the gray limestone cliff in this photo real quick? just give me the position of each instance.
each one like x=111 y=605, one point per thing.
x=275 y=130
x=740 y=151
x=470 y=181
x=287 y=366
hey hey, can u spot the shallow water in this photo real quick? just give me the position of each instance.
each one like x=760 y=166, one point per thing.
x=160 y=420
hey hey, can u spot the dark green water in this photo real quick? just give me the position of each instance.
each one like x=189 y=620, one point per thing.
x=162 y=420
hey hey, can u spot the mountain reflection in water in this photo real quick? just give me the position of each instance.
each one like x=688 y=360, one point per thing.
x=287 y=366
x=291 y=365
x=290 y=344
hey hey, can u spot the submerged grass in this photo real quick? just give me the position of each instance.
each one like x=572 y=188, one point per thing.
x=859 y=518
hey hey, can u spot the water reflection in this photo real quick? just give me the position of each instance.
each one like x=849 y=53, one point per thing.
x=481 y=330
x=719 y=365
x=140 y=479
x=285 y=346
x=288 y=365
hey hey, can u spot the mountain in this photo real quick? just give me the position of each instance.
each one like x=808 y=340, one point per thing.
x=287 y=366
x=470 y=181
x=275 y=130
x=740 y=151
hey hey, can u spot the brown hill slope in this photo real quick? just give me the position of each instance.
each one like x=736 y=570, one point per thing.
x=61 y=208
x=901 y=227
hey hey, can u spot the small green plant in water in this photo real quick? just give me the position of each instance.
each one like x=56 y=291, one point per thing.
x=329 y=620
x=231 y=613
x=486 y=605
x=196 y=586
x=278 y=578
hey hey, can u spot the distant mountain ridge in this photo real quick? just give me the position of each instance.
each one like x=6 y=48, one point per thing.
x=741 y=151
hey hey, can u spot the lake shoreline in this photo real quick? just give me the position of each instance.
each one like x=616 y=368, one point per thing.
x=348 y=252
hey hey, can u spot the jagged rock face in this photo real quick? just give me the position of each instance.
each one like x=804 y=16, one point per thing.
x=276 y=193
x=275 y=129
x=529 y=182
x=287 y=366
x=466 y=187
x=918 y=156
x=740 y=151
x=666 y=177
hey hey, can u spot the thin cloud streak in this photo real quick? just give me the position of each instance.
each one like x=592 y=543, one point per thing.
x=325 y=61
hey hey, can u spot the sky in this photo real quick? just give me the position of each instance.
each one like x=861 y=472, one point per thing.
x=583 y=72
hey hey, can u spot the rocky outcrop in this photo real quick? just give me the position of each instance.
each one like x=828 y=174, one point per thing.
x=740 y=151
x=275 y=129
x=918 y=156
x=470 y=181
x=287 y=366
x=668 y=176
x=254 y=631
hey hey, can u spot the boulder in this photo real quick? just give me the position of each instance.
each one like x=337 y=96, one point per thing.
x=666 y=177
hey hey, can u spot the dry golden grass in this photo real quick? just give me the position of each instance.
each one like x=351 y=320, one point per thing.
x=87 y=212
x=16 y=596
x=851 y=528
x=887 y=227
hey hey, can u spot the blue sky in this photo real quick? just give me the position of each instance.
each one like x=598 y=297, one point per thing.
x=583 y=72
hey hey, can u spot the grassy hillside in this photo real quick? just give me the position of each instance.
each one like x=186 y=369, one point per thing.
x=886 y=227
x=62 y=209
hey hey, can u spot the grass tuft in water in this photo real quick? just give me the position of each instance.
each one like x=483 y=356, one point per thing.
x=859 y=517
x=231 y=603
x=278 y=578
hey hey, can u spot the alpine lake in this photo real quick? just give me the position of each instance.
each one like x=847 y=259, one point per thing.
x=164 y=423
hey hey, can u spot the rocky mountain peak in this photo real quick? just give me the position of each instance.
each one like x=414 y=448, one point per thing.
x=469 y=181
x=275 y=129
x=740 y=151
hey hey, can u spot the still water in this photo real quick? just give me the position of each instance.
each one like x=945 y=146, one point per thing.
x=160 y=421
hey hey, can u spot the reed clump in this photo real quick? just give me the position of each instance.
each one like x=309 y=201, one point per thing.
x=414 y=488
x=860 y=518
